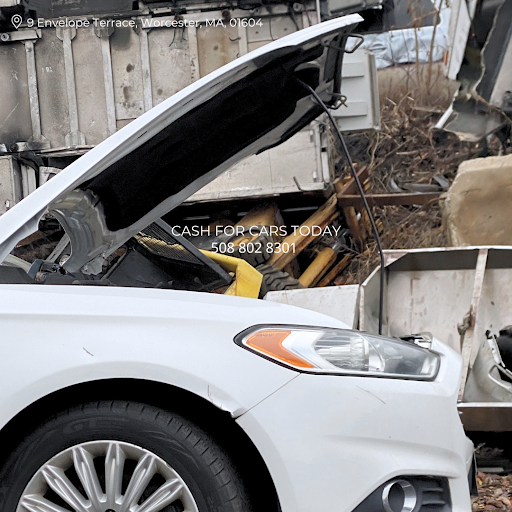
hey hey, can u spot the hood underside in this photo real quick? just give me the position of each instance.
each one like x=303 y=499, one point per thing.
x=162 y=158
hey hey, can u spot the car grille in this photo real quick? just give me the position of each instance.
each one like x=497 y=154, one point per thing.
x=434 y=496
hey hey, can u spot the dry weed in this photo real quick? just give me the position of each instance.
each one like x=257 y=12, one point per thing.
x=406 y=155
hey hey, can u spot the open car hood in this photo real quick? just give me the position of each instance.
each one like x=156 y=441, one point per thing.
x=163 y=157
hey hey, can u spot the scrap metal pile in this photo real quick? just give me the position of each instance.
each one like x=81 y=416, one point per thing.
x=404 y=168
x=317 y=240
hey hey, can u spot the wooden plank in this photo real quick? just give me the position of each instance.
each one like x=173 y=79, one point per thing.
x=322 y=217
x=408 y=199
x=350 y=187
x=334 y=272
x=358 y=234
x=318 y=267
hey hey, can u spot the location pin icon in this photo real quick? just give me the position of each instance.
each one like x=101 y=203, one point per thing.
x=16 y=20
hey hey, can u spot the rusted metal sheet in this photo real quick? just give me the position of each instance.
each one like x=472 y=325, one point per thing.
x=216 y=47
x=10 y=183
x=458 y=294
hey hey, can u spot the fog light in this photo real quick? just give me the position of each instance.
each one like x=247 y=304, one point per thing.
x=399 y=496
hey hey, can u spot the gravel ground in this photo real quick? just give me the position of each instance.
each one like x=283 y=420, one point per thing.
x=495 y=492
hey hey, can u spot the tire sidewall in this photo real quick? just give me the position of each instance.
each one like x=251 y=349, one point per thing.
x=170 y=437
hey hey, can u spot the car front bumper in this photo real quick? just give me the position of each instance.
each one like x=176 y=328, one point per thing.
x=330 y=441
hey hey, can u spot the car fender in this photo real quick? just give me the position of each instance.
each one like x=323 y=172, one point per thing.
x=54 y=337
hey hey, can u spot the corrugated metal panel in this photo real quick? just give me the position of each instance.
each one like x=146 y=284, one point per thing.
x=56 y=8
x=273 y=28
x=362 y=109
x=15 y=122
x=169 y=50
x=127 y=70
x=65 y=88
x=10 y=183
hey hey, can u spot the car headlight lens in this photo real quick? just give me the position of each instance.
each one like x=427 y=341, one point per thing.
x=339 y=351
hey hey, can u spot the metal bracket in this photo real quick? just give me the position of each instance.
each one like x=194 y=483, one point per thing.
x=467 y=330
x=344 y=50
x=75 y=137
x=20 y=35
x=357 y=45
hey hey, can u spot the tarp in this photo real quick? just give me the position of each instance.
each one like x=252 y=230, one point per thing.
x=399 y=46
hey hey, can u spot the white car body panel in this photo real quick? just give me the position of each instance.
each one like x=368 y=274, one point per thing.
x=328 y=441
x=356 y=433
x=58 y=336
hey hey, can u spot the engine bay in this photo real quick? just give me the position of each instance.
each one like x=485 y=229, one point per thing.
x=154 y=258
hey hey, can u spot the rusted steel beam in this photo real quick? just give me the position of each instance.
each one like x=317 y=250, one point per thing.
x=408 y=199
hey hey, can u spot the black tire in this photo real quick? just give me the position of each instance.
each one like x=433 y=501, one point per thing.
x=260 y=244
x=276 y=280
x=204 y=467
x=256 y=258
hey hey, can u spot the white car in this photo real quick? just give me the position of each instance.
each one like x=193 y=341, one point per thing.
x=131 y=399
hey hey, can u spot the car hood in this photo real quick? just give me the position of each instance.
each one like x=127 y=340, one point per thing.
x=166 y=155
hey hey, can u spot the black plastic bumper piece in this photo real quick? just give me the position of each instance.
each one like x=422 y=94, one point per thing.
x=421 y=494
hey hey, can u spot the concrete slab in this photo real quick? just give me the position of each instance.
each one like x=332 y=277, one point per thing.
x=477 y=209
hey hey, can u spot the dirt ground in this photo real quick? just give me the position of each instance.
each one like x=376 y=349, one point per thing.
x=495 y=492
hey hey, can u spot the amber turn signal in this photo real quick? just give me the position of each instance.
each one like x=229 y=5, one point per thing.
x=270 y=342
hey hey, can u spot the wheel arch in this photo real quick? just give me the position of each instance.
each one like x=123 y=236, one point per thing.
x=219 y=424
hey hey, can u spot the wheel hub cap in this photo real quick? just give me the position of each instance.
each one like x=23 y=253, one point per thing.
x=106 y=476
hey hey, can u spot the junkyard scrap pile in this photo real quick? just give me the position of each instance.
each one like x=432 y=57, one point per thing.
x=409 y=165
x=317 y=241
x=405 y=168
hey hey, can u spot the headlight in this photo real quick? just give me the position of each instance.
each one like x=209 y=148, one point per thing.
x=341 y=352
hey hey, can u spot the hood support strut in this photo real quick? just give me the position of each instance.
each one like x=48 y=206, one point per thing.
x=361 y=193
